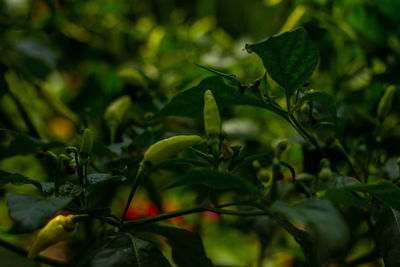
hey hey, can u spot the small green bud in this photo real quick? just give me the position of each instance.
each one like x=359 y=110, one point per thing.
x=264 y=175
x=86 y=143
x=212 y=119
x=169 y=147
x=256 y=164
x=276 y=162
x=325 y=174
x=325 y=163
x=385 y=104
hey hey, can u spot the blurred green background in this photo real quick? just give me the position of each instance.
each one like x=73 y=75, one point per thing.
x=63 y=62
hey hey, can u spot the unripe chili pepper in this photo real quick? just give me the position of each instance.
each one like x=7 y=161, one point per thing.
x=212 y=119
x=58 y=229
x=86 y=143
x=116 y=110
x=169 y=147
x=385 y=104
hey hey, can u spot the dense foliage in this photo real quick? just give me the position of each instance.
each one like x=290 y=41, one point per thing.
x=151 y=133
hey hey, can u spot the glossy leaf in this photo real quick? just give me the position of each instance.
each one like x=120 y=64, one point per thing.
x=289 y=58
x=190 y=103
x=129 y=252
x=8 y=176
x=187 y=247
x=215 y=180
x=386 y=192
x=326 y=234
x=388 y=234
x=31 y=212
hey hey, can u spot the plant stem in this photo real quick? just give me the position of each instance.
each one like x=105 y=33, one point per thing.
x=135 y=185
x=187 y=211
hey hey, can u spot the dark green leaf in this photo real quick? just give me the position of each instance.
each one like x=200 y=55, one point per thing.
x=384 y=191
x=215 y=180
x=340 y=196
x=70 y=189
x=8 y=176
x=145 y=139
x=326 y=100
x=339 y=181
x=289 y=58
x=388 y=234
x=187 y=247
x=327 y=233
x=229 y=77
x=31 y=212
x=190 y=103
x=129 y=252
x=24 y=145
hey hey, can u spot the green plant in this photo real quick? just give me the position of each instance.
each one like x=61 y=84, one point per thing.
x=314 y=208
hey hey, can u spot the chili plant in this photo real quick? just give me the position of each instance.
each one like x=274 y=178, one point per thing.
x=329 y=212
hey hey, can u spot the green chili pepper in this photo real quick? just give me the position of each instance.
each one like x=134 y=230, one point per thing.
x=385 y=104
x=58 y=229
x=169 y=147
x=212 y=119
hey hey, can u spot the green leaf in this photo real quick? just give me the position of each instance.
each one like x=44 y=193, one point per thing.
x=229 y=77
x=339 y=181
x=187 y=247
x=386 y=192
x=129 y=252
x=327 y=234
x=70 y=189
x=326 y=100
x=190 y=102
x=289 y=58
x=24 y=145
x=388 y=234
x=31 y=212
x=340 y=196
x=8 y=176
x=145 y=139
x=216 y=180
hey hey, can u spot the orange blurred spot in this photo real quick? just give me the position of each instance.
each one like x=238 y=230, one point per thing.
x=285 y=260
x=61 y=128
